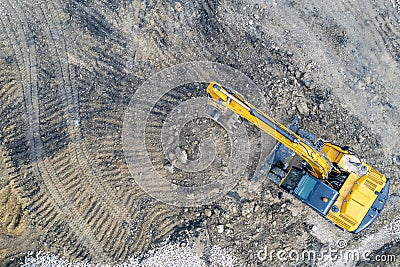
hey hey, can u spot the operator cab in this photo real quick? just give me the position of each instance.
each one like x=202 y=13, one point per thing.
x=309 y=190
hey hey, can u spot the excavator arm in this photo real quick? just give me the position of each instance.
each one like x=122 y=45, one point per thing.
x=223 y=97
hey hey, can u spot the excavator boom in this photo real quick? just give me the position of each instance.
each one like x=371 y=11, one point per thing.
x=236 y=102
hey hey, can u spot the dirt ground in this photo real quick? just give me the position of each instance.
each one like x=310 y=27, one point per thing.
x=68 y=70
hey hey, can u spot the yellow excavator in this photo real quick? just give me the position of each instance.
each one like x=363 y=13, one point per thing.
x=330 y=179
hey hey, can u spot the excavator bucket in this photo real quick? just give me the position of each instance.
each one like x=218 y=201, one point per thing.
x=225 y=117
x=279 y=155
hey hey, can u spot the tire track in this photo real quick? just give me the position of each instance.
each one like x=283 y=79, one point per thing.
x=83 y=161
x=108 y=200
x=16 y=141
x=113 y=229
x=42 y=206
x=45 y=170
x=103 y=140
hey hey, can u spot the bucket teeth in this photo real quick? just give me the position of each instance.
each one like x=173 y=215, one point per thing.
x=226 y=118
x=213 y=112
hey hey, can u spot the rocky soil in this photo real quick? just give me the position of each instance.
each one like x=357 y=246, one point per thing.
x=68 y=70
